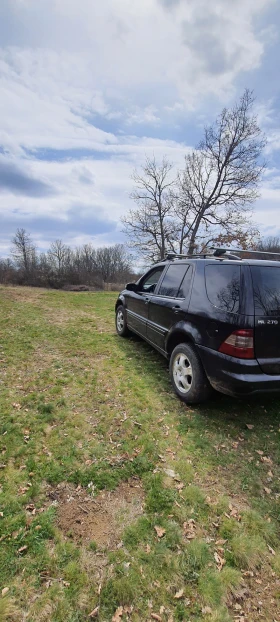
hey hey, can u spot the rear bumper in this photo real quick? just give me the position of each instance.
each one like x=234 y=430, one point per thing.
x=237 y=377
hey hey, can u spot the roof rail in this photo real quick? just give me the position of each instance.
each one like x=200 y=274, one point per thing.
x=172 y=255
x=219 y=252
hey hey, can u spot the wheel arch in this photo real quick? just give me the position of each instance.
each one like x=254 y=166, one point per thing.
x=179 y=336
x=119 y=303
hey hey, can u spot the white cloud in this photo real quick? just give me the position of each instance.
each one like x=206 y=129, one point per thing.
x=118 y=57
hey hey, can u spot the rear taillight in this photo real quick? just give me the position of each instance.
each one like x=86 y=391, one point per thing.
x=239 y=344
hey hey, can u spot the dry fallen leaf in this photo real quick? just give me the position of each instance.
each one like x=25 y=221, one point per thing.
x=160 y=531
x=249 y=426
x=266 y=460
x=155 y=616
x=179 y=594
x=180 y=486
x=22 y=490
x=271 y=550
x=30 y=507
x=190 y=535
x=22 y=549
x=148 y=548
x=267 y=490
x=117 y=615
x=206 y=610
x=189 y=529
x=94 y=613
x=5 y=591
x=220 y=561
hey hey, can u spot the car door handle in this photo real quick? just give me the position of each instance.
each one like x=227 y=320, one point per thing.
x=176 y=308
x=146 y=300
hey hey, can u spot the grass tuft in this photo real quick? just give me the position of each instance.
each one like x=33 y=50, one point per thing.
x=248 y=551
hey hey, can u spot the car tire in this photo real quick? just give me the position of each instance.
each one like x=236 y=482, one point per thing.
x=188 y=377
x=121 y=323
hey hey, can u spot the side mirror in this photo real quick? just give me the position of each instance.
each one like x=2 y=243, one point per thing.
x=132 y=287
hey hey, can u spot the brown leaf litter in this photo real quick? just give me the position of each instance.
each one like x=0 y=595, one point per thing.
x=257 y=598
x=101 y=518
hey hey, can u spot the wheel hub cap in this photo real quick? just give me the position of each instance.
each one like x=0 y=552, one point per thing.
x=120 y=320
x=182 y=373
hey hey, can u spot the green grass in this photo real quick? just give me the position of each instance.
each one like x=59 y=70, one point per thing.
x=80 y=405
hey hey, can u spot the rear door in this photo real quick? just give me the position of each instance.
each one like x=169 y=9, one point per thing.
x=266 y=287
x=137 y=302
x=167 y=306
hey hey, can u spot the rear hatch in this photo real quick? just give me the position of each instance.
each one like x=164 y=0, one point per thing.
x=266 y=285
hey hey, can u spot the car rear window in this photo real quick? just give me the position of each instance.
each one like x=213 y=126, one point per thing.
x=223 y=286
x=172 y=280
x=266 y=284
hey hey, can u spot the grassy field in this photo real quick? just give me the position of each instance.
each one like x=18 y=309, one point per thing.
x=117 y=502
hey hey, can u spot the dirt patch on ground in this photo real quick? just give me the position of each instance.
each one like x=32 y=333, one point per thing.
x=102 y=518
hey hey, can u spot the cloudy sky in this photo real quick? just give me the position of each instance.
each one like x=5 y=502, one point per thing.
x=88 y=87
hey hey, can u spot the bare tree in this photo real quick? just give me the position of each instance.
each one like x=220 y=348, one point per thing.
x=220 y=181
x=150 y=228
x=23 y=250
x=7 y=271
x=59 y=255
x=271 y=244
x=112 y=263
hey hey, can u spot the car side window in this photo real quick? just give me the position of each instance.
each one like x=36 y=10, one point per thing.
x=149 y=283
x=172 y=280
x=186 y=284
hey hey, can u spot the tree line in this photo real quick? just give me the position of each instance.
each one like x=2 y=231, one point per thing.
x=63 y=266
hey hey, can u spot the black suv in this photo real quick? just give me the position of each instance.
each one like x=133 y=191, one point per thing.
x=216 y=317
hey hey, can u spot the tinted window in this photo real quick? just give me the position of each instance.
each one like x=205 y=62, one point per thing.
x=172 y=280
x=186 y=284
x=149 y=282
x=223 y=286
x=266 y=283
